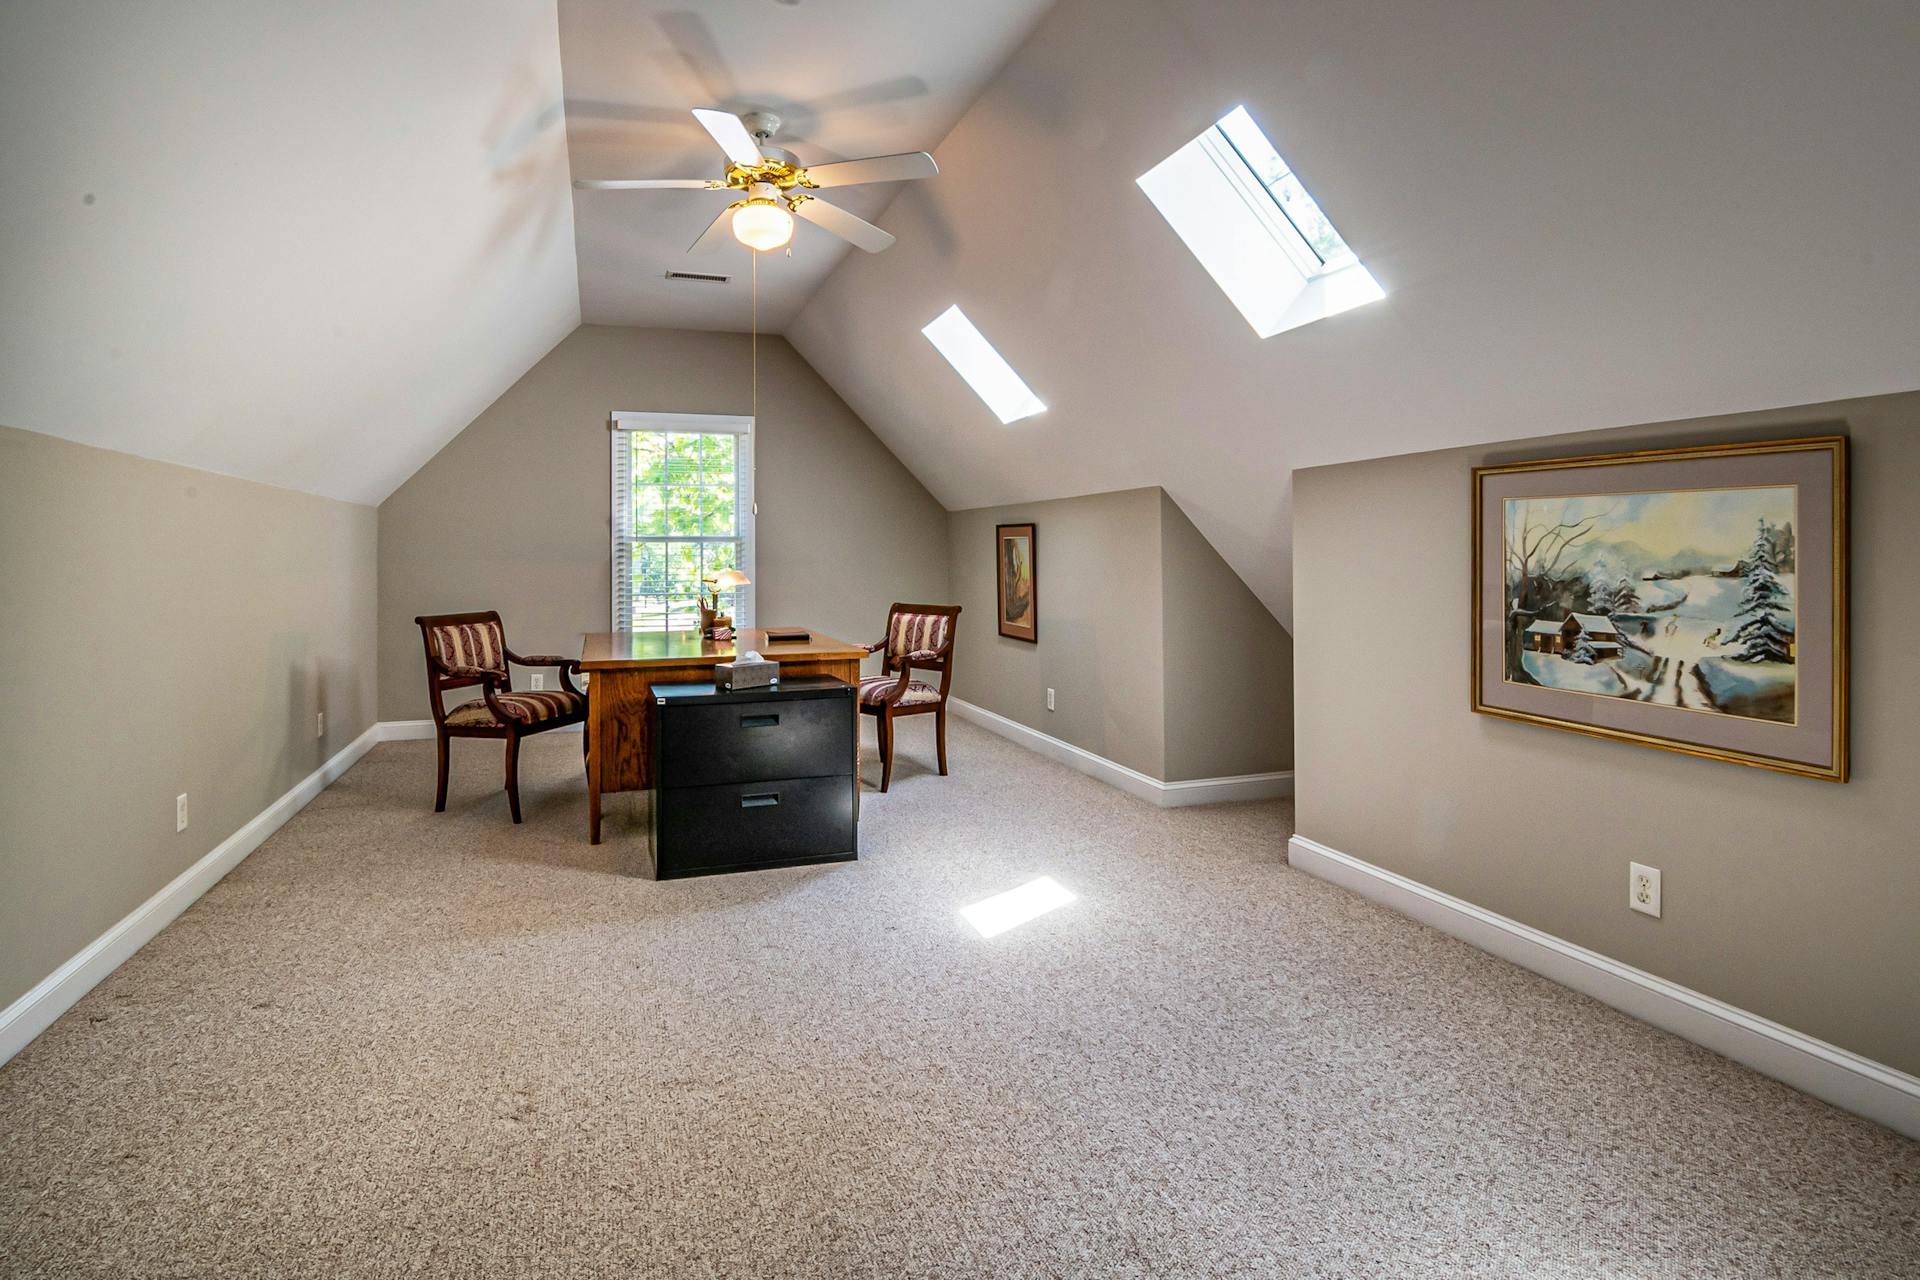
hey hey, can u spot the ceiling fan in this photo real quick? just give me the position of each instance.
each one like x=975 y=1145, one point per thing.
x=776 y=186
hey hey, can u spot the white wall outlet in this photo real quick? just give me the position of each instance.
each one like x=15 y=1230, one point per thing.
x=1049 y=699
x=320 y=724
x=1643 y=889
x=180 y=812
x=539 y=682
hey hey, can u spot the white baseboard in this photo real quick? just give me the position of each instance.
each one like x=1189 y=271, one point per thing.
x=1828 y=1072
x=35 y=1011
x=409 y=730
x=1250 y=786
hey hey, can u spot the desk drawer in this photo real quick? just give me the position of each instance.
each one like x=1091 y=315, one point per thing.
x=705 y=745
x=747 y=824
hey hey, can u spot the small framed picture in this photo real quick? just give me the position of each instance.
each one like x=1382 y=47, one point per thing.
x=1693 y=600
x=1016 y=571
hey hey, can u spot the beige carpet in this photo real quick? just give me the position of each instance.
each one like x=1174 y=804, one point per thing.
x=396 y=1044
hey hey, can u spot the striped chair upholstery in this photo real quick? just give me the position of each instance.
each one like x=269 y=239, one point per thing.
x=522 y=708
x=914 y=633
x=874 y=689
x=479 y=645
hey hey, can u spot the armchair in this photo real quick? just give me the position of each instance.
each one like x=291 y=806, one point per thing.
x=466 y=649
x=919 y=639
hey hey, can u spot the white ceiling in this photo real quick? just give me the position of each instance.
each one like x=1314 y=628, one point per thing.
x=301 y=243
x=1584 y=216
x=851 y=78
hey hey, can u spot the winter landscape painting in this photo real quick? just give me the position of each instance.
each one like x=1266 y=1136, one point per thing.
x=1692 y=599
x=1682 y=599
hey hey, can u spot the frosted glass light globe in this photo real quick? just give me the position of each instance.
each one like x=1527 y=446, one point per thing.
x=762 y=225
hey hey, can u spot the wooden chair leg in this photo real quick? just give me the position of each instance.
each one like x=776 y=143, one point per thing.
x=886 y=750
x=940 y=736
x=513 y=774
x=440 y=792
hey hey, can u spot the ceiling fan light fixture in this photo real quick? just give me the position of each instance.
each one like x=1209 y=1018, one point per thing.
x=762 y=223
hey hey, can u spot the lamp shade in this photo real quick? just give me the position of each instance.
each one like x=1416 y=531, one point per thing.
x=728 y=579
x=762 y=225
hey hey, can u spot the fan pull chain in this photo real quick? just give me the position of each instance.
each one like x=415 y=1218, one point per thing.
x=755 y=271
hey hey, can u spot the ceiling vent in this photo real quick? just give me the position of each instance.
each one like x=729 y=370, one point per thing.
x=700 y=276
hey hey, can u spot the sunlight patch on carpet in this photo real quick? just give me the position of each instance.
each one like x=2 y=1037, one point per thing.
x=1004 y=911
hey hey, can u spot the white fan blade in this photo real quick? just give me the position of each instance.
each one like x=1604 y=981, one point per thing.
x=847 y=173
x=718 y=232
x=731 y=135
x=647 y=184
x=833 y=218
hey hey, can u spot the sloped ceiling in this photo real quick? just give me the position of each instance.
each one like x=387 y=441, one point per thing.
x=849 y=78
x=304 y=244
x=1584 y=215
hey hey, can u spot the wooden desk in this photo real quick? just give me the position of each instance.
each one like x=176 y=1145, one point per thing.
x=625 y=664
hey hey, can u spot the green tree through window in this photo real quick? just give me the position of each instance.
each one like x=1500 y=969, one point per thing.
x=684 y=525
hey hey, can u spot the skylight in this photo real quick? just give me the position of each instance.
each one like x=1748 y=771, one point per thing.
x=1253 y=225
x=974 y=358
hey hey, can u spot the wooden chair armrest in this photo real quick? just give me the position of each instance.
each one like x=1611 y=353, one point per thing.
x=543 y=660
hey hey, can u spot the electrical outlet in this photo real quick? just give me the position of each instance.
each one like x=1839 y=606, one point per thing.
x=1049 y=699
x=1643 y=889
x=180 y=812
x=539 y=682
x=320 y=724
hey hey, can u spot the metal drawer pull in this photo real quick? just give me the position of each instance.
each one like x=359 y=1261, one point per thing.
x=760 y=801
x=758 y=722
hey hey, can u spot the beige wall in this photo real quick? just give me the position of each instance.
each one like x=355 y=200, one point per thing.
x=1140 y=620
x=513 y=513
x=1794 y=898
x=1097 y=575
x=166 y=630
x=1229 y=664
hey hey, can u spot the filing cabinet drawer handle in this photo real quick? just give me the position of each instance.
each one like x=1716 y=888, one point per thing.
x=758 y=722
x=760 y=801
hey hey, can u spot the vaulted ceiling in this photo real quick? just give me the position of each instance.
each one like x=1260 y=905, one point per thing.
x=307 y=244
x=300 y=243
x=848 y=78
x=1584 y=216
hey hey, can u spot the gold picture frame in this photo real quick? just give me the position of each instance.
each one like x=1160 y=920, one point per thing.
x=1016 y=571
x=1766 y=687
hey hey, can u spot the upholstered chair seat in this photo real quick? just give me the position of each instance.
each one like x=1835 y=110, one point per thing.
x=526 y=708
x=874 y=690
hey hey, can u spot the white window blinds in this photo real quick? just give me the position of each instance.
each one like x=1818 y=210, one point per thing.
x=682 y=511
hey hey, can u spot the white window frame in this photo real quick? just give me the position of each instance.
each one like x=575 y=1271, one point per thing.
x=1215 y=202
x=624 y=423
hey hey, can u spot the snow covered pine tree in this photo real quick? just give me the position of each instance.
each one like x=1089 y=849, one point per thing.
x=1583 y=651
x=1625 y=598
x=1763 y=634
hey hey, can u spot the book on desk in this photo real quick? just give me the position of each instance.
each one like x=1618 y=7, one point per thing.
x=754 y=778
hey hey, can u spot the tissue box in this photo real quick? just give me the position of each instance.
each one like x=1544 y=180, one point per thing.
x=745 y=675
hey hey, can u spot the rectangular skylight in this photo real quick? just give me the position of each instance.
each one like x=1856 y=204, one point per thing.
x=974 y=358
x=1252 y=224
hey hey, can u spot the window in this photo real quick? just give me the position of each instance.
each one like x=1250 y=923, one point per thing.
x=682 y=511
x=985 y=370
x=1252 y=224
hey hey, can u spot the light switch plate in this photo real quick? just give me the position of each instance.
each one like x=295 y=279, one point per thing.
x=180 y=812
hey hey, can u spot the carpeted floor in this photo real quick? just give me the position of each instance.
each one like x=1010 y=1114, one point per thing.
x=394 y=1043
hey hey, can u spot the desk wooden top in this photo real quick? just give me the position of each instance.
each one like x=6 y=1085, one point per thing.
x=624 y=650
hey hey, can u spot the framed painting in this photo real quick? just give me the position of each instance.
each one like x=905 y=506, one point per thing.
x=1690 y=599
x=1015 y=569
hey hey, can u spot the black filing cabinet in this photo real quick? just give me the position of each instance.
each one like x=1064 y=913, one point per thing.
x=754 y=778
